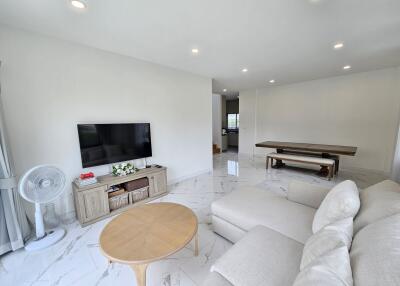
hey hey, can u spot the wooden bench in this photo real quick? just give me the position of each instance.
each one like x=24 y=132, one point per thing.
x=324 y=162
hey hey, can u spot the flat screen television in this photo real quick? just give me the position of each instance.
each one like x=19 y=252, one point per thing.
x=110 y=143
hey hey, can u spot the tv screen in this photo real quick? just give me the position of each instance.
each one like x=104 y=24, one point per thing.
x=110 y=143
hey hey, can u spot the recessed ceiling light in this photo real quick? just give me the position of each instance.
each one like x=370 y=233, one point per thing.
x=224 y=90
x=195 y=51
x=78 y=4
x=272 y=81
x=338 y=46
x=245 y=70
x=347 y=67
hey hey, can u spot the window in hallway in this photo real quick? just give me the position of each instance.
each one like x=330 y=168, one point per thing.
x=233 y=121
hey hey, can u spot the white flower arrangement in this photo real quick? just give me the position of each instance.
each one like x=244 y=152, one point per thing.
x=123 y=169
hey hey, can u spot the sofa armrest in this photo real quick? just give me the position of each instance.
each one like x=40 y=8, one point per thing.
x=306 y=194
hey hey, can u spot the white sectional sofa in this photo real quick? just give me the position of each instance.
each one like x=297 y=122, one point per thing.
x=270 y=231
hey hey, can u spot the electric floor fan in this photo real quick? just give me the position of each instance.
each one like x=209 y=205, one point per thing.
x=40 y=185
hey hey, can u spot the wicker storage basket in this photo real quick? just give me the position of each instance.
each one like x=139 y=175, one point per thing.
x=136 y=184
x=118 y=201
x=138 y=195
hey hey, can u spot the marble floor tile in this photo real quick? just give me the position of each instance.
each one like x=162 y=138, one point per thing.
x=76 y=260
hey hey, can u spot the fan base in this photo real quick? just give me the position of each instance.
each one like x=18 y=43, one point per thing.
x=51 y=237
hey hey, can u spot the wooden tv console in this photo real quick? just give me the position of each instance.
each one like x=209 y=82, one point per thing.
x=92 y=202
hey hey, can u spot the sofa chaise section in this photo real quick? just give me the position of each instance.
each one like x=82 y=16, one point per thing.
x=268 y=253
x=234 y=215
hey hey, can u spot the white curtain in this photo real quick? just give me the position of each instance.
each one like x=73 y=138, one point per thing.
x=14 y=226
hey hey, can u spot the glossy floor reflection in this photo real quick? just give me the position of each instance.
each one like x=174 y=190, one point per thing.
x=77 y=260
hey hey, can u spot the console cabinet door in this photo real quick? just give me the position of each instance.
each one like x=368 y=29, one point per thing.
x=93 y=203
x=158 y=184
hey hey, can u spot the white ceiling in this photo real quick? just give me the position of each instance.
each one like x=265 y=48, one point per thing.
x=286 y=40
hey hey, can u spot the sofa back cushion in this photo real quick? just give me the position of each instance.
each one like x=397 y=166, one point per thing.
x=330 y=269
x=341 y=202
x=375 y=253
x=377 y=202
x=325 y=240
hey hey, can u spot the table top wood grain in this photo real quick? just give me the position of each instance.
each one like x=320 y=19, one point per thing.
x=148 y=233
x=319 y=148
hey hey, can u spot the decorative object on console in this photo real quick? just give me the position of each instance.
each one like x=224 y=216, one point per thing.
x=86 y=179
x=86 y=175
x=42 y=184
x=141 y=163
x=123 y=169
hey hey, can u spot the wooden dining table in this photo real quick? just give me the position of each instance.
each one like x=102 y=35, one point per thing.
x=310 y=149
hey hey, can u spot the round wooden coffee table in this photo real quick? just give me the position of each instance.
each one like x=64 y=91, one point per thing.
x=148 y=233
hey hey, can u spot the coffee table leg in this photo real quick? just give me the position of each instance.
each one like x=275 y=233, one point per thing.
x=196 y=244
x=140 y=272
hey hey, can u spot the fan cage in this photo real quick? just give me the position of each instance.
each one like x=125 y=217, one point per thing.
x=42 y=184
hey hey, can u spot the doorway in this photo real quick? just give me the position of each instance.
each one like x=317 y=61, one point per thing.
x=226 y=122
x=232 y=124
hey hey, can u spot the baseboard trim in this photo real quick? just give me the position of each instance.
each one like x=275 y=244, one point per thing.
x=365 y=170
x=189 y=176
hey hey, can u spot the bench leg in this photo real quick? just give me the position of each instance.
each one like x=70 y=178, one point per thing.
x=324 y=171
x=330 y=175
x=337 y=165
x=270 y=164
x=267 y=163
x=279 y=164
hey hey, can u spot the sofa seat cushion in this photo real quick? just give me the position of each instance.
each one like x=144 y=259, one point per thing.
x=375 y=253
x=262 y=257
x=378 y=201
x=306 y=159
x=248 y=208
x=343 y=201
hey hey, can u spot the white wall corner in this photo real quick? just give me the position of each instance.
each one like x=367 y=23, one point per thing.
x=395 y=174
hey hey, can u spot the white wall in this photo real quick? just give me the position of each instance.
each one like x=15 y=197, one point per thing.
x=217 y=119
x=359 y=110
x=247 y=111
x=223 y=112
x=396 y=160
x=224 y=124
x=48 y=86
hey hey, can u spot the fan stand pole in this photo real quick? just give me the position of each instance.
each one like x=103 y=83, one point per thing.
x=39 y=222
x=43 y=239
